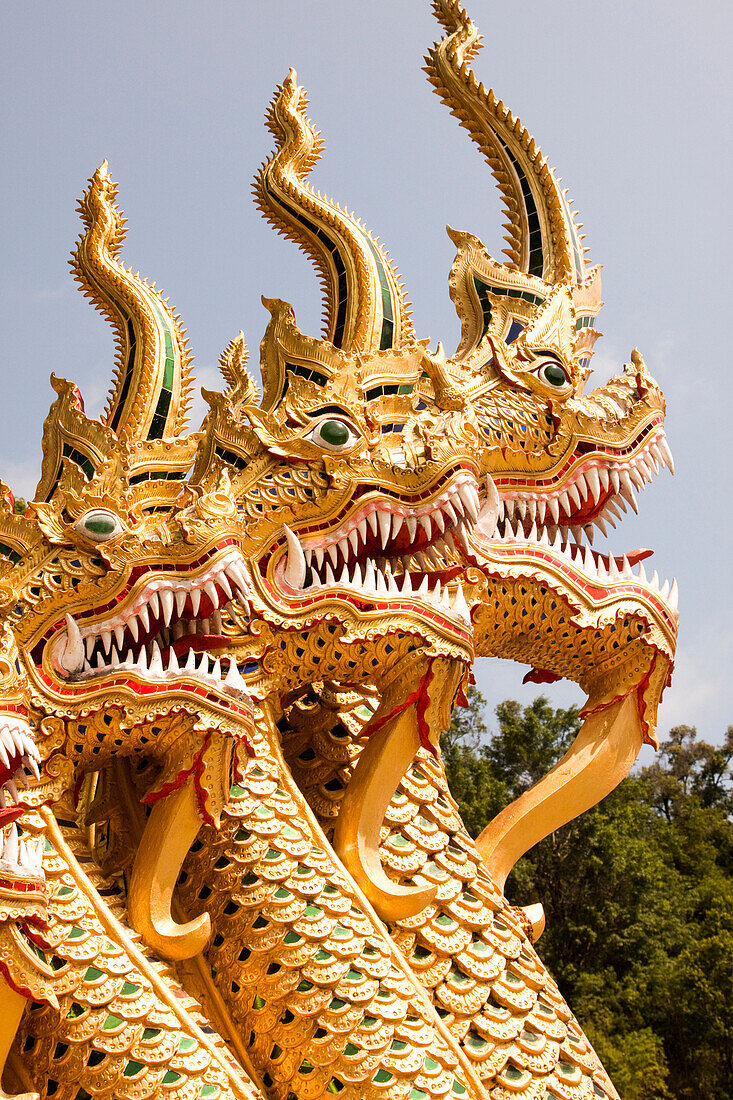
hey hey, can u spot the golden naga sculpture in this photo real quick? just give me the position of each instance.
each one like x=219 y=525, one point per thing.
x=233 y=867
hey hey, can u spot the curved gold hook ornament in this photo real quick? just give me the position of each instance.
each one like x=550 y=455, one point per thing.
x=598 y=759
x=388 y=754
x=171 y=829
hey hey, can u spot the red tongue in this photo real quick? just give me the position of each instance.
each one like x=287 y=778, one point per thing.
x=11 y=813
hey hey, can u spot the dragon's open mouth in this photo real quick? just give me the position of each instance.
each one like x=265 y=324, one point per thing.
x=594 y=488
x=169 y=617
x=389 y=547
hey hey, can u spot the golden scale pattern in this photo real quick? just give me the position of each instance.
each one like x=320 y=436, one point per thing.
x=468 y=949
x=310 y=976
x=113 y=1033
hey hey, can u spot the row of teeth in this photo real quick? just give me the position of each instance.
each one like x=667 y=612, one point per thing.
x=149 y=661
x=16 y=742
x=461 y=507
x=593 y=567
x=18 y=856
x=157 y=602
x=592 y=483
x=180 y=629
x=373 y=581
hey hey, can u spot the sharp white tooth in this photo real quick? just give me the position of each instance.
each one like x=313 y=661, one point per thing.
x=372 y=519
x=195 y=601
x=664 y=590
x=555 y=503
x=72 y=655
x=435 y=594
x=119 y=632
x=330 y=579
x=166 y=603
x=532 y=536
x=295 y=567
x=5 y=755
x=385 y=526
x=180 y=597
x=531 y=508
x=332 y=551
x=318 y=551
x=222 y=581
x=10 y=852
x=642 y=572
x=627 y=490
x=460 y=607
x=411 y=524
x=344 y=548
x=439 y=520
x=129 y=657
x=544 y=538
x=355 y=581
x=593 y=482
x=423 y=589
x=216 y=669
x=617 y=507
x=392 y=584
x=134 y=628
x=520 y=507
x=666 y=454
x=397 y=520
x=87 y=666
x=344 y=578
x=154 y=605
x=407 y=585
x=470 y=500
x=601 y=569
x=100 y=660
x=204 y=666
x=173 y=665
x=445 y=599
x=156 y=662
x=655 y=580
x=573 y=494
x=673 y=596
x=381 y=584
x=369 y=579
x=612 y=567
x=114 y=658
x=604 y=478
x=581 y=485
x=589 y=562
x=190 y=665
x=142 y=661
x=637 y=479
x=235 y=572
x=233 y=677
x=144 y=616
x=626 y=569
x=211 y=590
x=106 y=640
x=353 y=537
x=89 y=644
x=362 y=529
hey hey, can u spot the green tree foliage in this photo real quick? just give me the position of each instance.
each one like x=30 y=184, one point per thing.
x=638 y=894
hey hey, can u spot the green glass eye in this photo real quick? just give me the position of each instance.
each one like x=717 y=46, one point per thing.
x=554 y=374
x=333 y=435
x=99 y=525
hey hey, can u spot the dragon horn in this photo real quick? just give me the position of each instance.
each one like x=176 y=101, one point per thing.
x=364 y=307
x=150 y=392
x=541 y=232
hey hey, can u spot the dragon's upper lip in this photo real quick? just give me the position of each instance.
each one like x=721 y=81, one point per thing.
x=166 y=616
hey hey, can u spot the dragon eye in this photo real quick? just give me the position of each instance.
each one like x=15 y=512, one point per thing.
x=553 y=374
x=333 y=435
x=98 y=525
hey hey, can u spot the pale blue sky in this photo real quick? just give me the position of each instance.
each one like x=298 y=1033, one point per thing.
x=630 y=101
